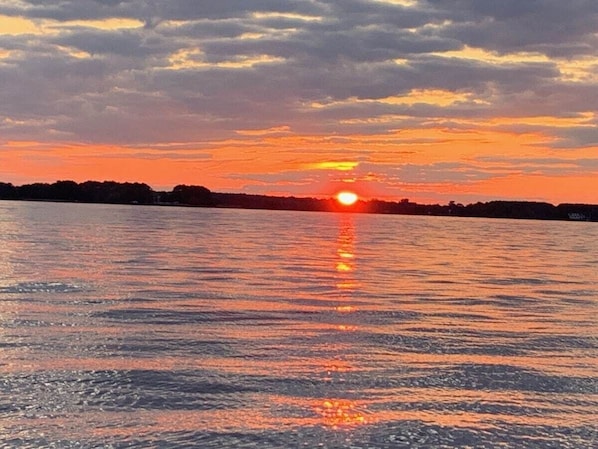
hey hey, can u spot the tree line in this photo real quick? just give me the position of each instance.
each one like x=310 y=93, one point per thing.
x=185 y=195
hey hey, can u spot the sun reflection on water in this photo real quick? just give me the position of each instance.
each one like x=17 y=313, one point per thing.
x=345 y=309
x=399 y=332
x=346 y=260
x=337 y=413
x=346 y=244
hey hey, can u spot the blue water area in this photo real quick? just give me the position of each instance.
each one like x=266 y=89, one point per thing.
x=166 y=327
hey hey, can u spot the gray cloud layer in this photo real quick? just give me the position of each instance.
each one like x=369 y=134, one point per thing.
x=200 y=70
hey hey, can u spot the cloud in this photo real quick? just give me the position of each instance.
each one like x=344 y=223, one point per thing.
x=154 y=72
x=511 y=25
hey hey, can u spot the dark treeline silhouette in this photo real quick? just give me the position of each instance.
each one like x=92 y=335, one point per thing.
x=246 y=201
x=187 y=195
x=86 y=192
x=138 y=193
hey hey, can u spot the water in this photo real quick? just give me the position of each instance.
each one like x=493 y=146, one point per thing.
x=132 y=326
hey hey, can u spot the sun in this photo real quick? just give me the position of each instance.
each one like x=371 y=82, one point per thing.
x=347 y=198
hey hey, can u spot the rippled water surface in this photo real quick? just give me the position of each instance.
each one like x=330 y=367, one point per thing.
x=132 y=326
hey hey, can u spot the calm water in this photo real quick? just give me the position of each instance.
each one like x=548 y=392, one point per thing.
x=131 y=326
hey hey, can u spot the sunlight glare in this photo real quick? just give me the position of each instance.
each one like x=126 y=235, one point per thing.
x=346 y=198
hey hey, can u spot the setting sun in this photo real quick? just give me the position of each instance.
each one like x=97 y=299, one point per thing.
x=346 y=198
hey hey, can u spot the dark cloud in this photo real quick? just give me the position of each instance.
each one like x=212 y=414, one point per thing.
x=512 y=25
x=156 y=9
x=130 y=44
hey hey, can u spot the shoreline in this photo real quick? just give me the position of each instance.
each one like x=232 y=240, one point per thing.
x=333 y=209
x=111 y=192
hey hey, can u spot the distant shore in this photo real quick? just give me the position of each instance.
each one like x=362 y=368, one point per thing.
x=110 y=192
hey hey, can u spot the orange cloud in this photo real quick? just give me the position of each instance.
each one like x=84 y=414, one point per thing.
x=441 y=163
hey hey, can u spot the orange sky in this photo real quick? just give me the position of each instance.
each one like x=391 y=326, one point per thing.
x=391 y=99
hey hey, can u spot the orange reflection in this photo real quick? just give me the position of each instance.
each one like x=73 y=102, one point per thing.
x=340 y=413
x=347 y=285
x=345 y=252
x=343 y=267
x=338 y=366
x=345 y=309
x=345 y=263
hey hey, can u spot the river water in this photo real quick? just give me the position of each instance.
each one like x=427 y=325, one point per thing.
x=167 y=327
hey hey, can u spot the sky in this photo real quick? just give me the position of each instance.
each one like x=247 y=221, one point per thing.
x=431 y=100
